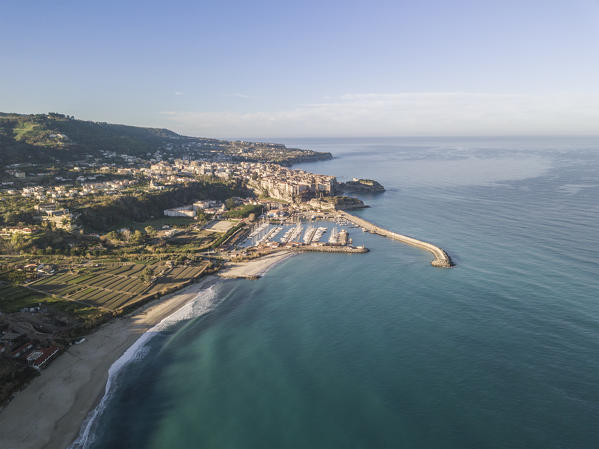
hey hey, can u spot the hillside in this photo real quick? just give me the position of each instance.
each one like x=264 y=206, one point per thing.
x=53 y=137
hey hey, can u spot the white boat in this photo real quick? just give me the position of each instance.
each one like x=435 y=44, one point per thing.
x=333 y=237
x=309 y=234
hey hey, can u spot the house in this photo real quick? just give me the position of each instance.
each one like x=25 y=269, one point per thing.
x=15 y=230
x=39 y=358
x=201 y=205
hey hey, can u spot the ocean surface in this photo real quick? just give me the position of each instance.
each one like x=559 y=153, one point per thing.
x=382 y=350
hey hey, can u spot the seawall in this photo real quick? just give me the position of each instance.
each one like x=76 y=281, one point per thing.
x=329 y=249
x=441 y=258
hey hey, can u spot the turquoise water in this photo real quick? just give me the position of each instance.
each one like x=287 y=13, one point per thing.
x=382 y=350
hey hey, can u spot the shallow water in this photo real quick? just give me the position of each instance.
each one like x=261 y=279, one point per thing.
x=383 y=350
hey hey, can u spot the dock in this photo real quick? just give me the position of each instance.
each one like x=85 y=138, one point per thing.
x=329 y=249
x=441 y=258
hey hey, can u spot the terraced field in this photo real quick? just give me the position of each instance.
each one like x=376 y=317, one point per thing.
x=13 y=298
x=116 y=286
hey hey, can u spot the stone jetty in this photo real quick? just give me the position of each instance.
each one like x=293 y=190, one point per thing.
x=441 y=258
x=330 y=249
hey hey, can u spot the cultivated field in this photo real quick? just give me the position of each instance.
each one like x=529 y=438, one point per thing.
x=14 y=298
x=117 y=286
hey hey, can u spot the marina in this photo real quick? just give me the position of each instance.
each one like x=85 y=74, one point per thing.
x=303 y=232
x=309 y=235
x=339 y=224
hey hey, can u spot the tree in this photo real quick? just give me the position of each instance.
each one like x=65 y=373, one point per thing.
x=230 y=203
x=147 y=274
x=126 y=234
x=137 y=238
x=112 y=235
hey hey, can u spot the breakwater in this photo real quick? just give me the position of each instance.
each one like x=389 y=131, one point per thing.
x=441 y=258
x=330 y=249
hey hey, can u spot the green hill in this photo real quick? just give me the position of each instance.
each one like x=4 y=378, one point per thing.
x=53 y=137
x=50 y=137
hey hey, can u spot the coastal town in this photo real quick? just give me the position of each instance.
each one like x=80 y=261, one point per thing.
x=63 y=274
x=299 y=225
x=85 y=241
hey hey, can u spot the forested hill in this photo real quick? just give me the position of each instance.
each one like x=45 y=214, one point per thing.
x=50 y=137
x=53 y=137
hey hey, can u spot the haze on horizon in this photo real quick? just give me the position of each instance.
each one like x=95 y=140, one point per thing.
x=308 y=69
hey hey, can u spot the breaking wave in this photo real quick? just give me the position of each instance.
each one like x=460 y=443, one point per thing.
x=202 y=303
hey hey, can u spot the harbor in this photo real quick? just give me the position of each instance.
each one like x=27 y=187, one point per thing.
x=302 y=232
x=327 y=232
x=441 y=258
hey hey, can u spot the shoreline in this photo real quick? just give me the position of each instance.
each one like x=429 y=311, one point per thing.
x=53 y=409
x=56 y=403
x=255 y=268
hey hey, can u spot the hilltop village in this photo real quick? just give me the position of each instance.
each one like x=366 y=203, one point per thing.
x=87 y=240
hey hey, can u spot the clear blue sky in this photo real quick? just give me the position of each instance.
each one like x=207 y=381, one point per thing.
x=309 y=68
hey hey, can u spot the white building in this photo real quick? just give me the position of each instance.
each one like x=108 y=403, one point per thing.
x=185 y=211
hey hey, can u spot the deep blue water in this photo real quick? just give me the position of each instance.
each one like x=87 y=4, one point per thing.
x=384 y=351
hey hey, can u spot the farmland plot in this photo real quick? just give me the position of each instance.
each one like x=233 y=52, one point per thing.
x=115 y=286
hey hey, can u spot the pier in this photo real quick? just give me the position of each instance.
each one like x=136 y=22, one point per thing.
x=441 y=258
x=330 y=249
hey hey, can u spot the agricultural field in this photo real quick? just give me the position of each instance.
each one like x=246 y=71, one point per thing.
x=115 y=286
x=190 y=241
x=14 y=298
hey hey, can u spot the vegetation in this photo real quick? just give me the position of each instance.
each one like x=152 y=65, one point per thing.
x=223 y=238
x=46 y=138
x=151 y=225
x=361 y=185
x=16 y=210
x=50 y=137
x=121 y=211
x=245 y=211
x=114 y=287
x=48 y=241
x=14 y=298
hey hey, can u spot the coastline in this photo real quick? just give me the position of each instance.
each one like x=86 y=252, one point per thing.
x=56 y=405
x=255 y=268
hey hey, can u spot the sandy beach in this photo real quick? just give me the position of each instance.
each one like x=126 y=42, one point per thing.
x=49 y=412
x=254 y=268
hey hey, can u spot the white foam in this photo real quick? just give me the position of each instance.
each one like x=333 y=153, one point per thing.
x=199 y=305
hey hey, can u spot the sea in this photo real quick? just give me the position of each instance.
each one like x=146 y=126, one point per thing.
x=382 y=350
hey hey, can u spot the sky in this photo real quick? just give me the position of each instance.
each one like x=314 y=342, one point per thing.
x=308 y=68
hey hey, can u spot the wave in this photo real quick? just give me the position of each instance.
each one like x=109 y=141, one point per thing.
x=202 y=303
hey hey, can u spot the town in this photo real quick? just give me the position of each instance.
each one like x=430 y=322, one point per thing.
x=73 y=258
x=91 y=231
